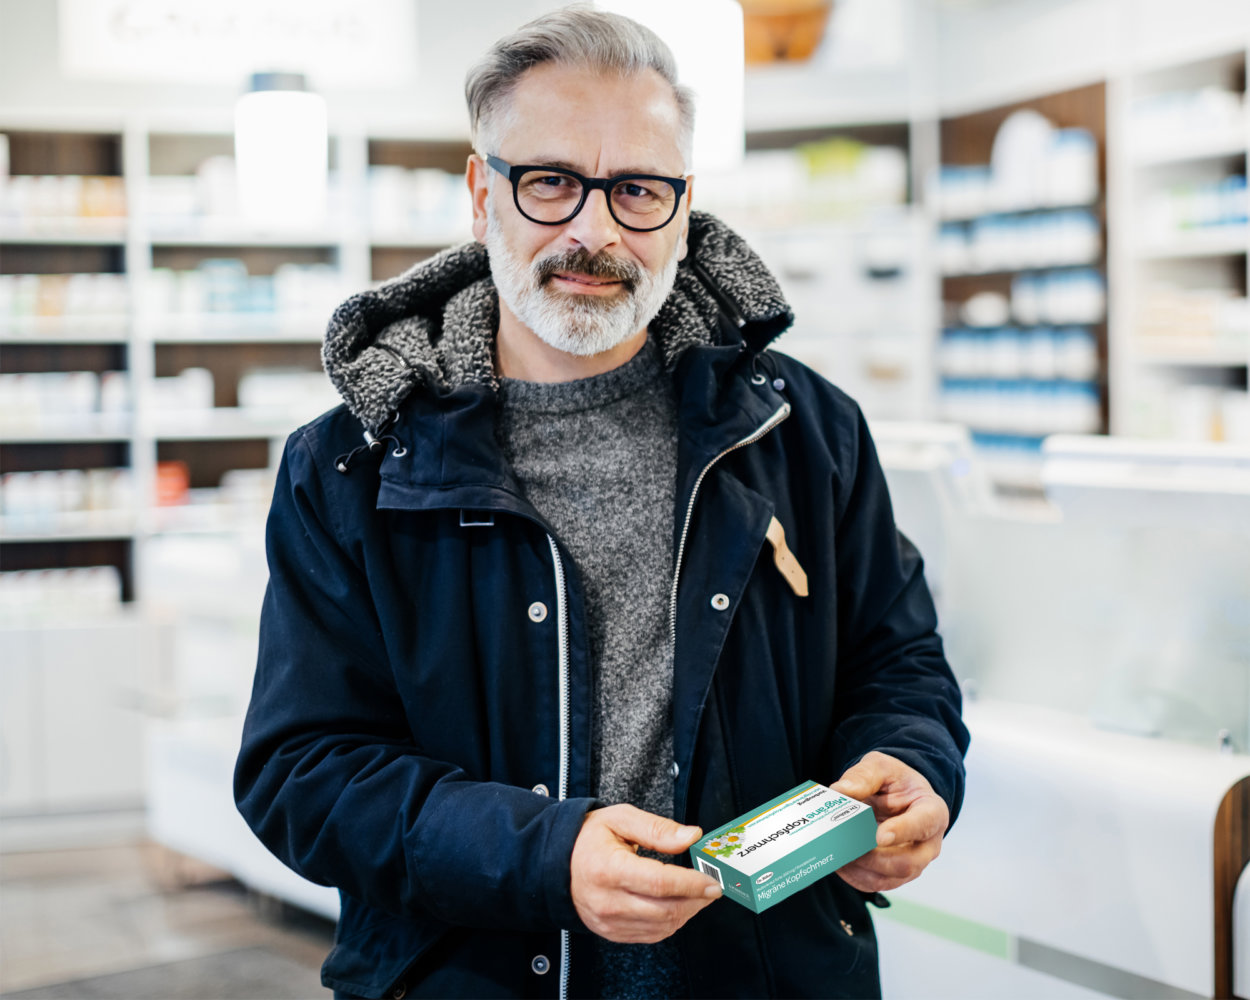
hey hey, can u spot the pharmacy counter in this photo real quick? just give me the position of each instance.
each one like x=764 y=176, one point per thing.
x=1086 y=863
x=190 y=768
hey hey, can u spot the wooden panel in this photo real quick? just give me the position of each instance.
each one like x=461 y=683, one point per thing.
x=1232 y=854
x=16 y=358
x=969 y=139
x=228 y=362
x=873 y=135
x=55 y=455
x=70 y=555
x=28 y=258
x=388 y=263
x=65 y=153
x=258 y=260
x=449 y=156
x=207 y=460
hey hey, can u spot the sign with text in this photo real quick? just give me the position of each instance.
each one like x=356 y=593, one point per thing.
x=337 y=43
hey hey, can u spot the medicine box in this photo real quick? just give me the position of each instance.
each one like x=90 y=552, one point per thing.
x=786 y=844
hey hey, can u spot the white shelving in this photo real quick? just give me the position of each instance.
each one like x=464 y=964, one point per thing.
x=71 y=526
x=68 y=233
x=65 y=330
x=171 y=324
x=1219 y=241
x=1180 y=330
x=77 y=428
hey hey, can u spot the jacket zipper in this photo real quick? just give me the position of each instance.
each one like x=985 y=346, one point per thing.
x=562 y=612
x=768 y=425
x=562 y=633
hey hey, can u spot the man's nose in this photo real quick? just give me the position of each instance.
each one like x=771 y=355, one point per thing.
x=593 y=227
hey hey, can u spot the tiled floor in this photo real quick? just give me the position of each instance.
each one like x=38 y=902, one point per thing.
x=71 y=917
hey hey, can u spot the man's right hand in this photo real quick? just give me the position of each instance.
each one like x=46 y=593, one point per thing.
x=625 y=898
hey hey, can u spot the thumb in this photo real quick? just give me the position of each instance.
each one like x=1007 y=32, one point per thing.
x=865 y=778
x=649 y=830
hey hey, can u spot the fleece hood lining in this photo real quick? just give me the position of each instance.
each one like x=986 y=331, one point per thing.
x=434 y=325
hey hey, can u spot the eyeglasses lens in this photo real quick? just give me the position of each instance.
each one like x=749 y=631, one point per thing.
x=642 y=203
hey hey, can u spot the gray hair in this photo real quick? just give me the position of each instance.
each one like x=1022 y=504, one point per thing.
x=577 y=35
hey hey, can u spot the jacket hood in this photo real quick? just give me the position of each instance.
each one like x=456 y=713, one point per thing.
x=434 y=325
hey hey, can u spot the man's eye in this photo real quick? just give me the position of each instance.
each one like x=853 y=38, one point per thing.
x=632 y=190
x=550 y=181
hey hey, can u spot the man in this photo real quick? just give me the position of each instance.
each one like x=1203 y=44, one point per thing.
x=551 y=620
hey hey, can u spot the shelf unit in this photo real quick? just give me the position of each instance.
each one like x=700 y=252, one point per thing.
x=149 y=343
x=1011 y=443
x=1181 y=339
x=839 y=222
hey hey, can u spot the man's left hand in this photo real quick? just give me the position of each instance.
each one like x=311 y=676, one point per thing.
x=912 y=818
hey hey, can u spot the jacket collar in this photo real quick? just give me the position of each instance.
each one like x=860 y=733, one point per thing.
x=431 y=330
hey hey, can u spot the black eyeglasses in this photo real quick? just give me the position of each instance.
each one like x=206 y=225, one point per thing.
x=551 y=196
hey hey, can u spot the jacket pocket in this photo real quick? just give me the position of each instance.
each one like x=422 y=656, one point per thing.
x=373 y=950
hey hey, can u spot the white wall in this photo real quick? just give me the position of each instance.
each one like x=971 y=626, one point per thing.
x=450 y=37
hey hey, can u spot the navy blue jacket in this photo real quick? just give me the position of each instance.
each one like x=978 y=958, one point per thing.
x=420 y=738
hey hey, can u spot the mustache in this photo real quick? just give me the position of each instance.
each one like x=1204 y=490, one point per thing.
x=580 y=261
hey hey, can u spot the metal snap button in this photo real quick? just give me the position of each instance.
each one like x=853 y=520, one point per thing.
x=720 y=602
x=675 y=769
x=779 y=384
x=540 y=965
x=399 y=992
x=538 y=611
x=541 y=789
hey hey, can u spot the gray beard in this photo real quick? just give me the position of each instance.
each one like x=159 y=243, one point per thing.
x=582 y=325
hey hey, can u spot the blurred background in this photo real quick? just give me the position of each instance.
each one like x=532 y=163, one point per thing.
x=1015 y=230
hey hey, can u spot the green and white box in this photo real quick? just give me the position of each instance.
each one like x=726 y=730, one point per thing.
x=786 y=844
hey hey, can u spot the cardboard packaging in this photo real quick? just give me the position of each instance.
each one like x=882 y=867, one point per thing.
x=786 y=844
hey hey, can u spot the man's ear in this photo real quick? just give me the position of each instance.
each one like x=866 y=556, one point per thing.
x=477 y=177
x=684 y=247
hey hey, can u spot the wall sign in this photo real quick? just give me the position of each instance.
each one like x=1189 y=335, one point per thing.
x=337 y=43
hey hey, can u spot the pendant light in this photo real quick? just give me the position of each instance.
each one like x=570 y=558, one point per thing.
x=280 y=150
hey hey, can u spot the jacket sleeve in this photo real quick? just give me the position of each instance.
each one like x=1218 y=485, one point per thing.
x=895 y=691
x=329 y=774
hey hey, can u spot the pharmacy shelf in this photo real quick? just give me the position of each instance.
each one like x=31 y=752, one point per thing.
x=1192 y=148
x=71 y=233
x=220 y=424
x=211 y=519
x=1187 y=352
x=70 y=526
x=435 y=240
x=1064 y=265
x=1218 y=241
x=229 y=328
x=69 y=429
x=65 y=330
x=999 y=213
x=238 y=236
x=1155 y=351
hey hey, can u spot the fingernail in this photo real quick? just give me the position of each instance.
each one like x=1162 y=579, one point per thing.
x=691 y=831
x=712 y=891
x=885 y=839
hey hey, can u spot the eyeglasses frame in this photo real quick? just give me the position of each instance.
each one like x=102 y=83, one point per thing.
x=514 y=173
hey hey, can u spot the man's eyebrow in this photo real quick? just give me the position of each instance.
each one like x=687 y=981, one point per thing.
x=551 y=161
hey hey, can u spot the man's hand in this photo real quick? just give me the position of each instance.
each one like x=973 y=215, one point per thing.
x=913 y=819
x=623 y=897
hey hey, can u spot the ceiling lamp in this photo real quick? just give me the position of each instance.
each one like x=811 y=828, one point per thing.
x=784 y=30
x=280 y=151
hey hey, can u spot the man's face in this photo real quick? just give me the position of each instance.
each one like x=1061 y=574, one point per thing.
x=586 y=285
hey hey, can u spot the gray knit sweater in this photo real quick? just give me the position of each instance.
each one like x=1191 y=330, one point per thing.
x=597 y=457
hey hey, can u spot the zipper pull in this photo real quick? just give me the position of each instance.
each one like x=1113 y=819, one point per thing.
x=784 y=559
